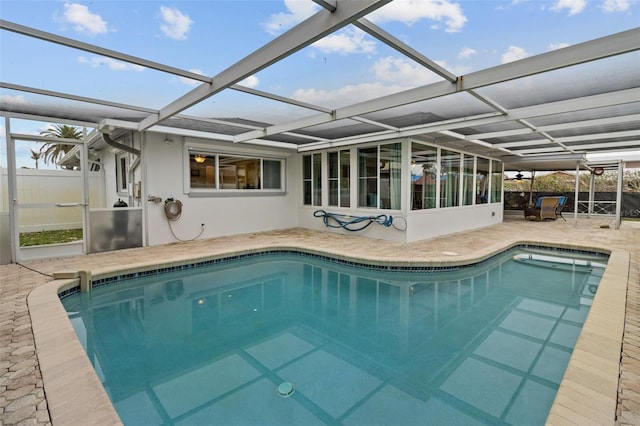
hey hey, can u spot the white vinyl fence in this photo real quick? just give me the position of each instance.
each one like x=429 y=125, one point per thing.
x=51 y=187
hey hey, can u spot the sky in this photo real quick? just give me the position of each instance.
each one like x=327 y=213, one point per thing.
x=208 y=36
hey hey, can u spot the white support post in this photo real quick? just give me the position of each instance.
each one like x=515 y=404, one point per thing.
x=592 y=192
x=405 y=177
x=577 y=194
x=84 y=167
x=533 y=176
x=12 y=190
x=619 y=194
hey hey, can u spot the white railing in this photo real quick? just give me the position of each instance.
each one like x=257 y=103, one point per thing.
x=597 y=207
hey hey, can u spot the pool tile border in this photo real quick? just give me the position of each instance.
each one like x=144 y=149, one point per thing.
x=396 y=267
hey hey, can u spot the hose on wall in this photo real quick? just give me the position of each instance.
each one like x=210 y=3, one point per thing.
x=173 y=211
x=358 y=223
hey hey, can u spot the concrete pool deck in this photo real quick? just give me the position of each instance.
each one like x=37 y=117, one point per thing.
x=43 y=378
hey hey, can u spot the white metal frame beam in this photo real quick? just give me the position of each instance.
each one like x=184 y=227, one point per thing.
x=309 y=31
x=559 y=107
x=68 y=96
x=75 y=44
x=133 y=125
x=561 y=126
x=580 y=138
x=49 y=37
x=589 y=51
x=337 y=14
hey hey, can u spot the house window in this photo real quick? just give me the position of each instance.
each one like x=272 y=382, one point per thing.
x=239 y=173
x=424 y=176
x=496 y=181
x=272 y=174
x=449 y=178
x=339 y=178
x=203 y=171
x=312 y=179
x=390 y=176
x=379 y=176
x=482 y=181
x=229 y=172
x=368 y=177
x=122 y=172
x=467 y=180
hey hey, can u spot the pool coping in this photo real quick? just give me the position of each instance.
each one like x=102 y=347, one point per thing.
x=587 y=393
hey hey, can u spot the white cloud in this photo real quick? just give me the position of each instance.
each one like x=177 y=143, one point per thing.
x=392 y=74
x=176 y=24
x=616 y=5
x=251 y=81
x=467 y=53
x=351 y=40
x=401 y=71
x=83 y=20
x=514 y=53
x=345 y=95
x=412 y=11
x=297 y=11
x=13 y=100
x=112 y=64
x=556 y=46
x=574 y=6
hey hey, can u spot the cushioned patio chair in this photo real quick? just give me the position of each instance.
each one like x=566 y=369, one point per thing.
x=561 y=204
x=545 y=208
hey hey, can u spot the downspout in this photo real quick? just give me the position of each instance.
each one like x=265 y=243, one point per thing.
x=107 y=139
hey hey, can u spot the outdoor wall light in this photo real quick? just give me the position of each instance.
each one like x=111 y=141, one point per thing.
x=199 y=158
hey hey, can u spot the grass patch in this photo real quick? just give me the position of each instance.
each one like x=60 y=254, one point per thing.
x=49 y=237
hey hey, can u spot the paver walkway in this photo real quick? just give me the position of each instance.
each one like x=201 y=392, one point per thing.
x=22 y=397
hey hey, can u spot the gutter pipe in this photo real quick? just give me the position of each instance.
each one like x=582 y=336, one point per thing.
x=107 y=139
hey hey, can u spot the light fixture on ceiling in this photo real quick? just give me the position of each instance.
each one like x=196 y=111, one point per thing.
x=519 y=177
x=199 y=158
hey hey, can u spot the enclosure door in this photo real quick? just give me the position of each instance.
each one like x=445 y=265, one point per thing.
x=50 y=208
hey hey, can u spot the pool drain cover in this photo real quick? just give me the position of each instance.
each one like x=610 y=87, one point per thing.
x=285 y=389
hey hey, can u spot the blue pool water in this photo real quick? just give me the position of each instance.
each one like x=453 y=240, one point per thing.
x=285 y=339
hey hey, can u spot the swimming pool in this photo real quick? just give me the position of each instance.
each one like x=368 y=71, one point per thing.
x=483 y=344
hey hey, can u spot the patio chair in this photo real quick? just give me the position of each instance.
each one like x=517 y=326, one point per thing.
x=545 y=208
x=561 y=203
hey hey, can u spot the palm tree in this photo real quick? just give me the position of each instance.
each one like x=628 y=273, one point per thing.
x=54 y=151
x=35 y=156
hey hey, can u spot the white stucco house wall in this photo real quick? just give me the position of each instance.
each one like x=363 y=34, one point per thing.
x=228 y=202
